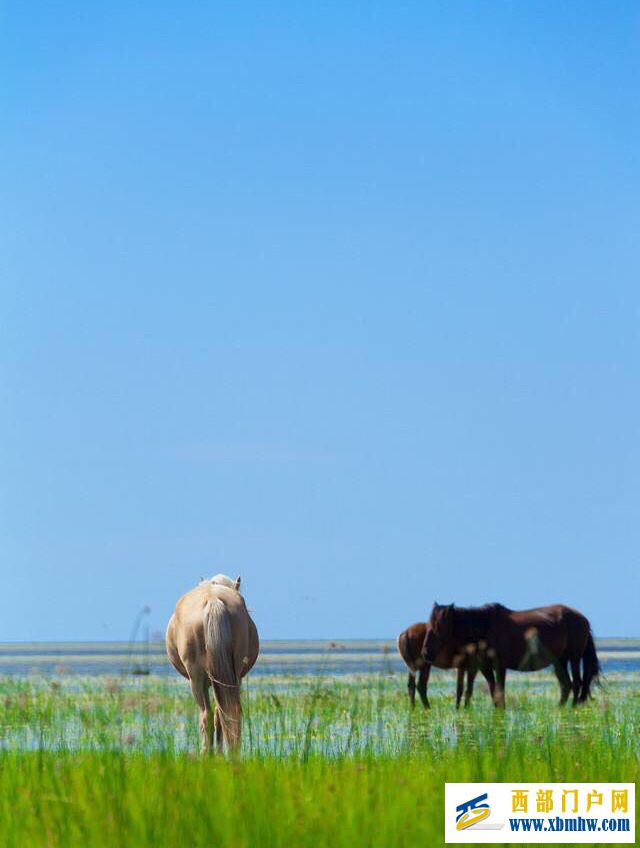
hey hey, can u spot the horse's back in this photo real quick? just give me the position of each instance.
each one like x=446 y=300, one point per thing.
x=552 y=616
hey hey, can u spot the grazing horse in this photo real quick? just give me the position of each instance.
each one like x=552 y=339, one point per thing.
x=212 y=641
x=461 y=657
x=525 y=640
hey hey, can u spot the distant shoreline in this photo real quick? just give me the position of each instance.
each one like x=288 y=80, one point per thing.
x=333 y=642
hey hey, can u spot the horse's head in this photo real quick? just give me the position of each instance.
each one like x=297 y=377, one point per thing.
x=439 y=631
x=223 y=580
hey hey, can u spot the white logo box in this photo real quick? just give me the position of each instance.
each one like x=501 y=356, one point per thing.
x=592 y=823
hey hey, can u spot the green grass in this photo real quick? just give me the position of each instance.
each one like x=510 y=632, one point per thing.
x=330 y=762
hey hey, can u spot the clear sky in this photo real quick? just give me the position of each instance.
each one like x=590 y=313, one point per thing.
x=342 y=297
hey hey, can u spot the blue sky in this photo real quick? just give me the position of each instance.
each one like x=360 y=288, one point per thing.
x=340 y=297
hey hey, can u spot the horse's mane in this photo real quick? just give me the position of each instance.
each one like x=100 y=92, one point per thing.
x=473 y=623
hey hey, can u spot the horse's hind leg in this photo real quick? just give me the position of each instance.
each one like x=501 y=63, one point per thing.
x=560 y=668
x=411 y=688
x=217 y=721
x=491 y=681
x=200 y=689
x=577 y=680
x=423 y=679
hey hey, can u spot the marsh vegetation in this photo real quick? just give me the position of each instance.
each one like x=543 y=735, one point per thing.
x=325 y=760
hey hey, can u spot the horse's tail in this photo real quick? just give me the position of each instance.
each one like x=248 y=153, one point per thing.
x=221 y=669
x=590 y=667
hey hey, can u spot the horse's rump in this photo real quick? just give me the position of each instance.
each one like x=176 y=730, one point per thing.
x=409 y=644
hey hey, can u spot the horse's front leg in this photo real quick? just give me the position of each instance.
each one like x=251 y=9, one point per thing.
x=423 y=680
x=459 y=685
x=471 y=676
x=501 y=677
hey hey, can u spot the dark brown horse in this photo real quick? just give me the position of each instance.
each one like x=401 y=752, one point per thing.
x=523 y=640
x=410 y=643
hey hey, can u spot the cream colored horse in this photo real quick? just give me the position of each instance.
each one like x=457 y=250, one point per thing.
x=212 y=641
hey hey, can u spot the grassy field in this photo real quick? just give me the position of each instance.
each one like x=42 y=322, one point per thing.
x=324 y=761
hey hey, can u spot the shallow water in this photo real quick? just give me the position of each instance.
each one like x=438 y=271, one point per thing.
x=291 y=715
x=276 y=658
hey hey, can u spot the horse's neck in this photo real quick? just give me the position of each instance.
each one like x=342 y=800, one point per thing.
x=471 y=625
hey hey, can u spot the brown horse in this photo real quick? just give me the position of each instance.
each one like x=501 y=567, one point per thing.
x=410 y=643
x=523 y=640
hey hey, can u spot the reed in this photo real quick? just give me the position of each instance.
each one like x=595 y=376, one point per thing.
x=324 y=762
